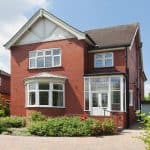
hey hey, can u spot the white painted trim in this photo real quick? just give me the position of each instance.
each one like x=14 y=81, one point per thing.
x=27 y=91
x=103 y=55
x=122 y=108
x=132 y=42
x=43 y=13
x=44 y=56
x=106 y=50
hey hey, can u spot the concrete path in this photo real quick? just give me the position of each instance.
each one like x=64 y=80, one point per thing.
x=127 y=140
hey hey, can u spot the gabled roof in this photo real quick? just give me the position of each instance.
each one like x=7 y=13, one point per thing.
x=43 y=13
x=116 y=36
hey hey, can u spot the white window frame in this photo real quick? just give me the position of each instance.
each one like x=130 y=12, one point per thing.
x=122 y=84
x=44 y=56
x=103 y=60
x=130 y=97
x=50 y=91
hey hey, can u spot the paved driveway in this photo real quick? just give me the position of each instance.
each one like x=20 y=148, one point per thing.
x=125 y=141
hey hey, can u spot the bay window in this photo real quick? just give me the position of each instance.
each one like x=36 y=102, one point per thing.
x=46 y=94
x=104 y=93
x=45 y=58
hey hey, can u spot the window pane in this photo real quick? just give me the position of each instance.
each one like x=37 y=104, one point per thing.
x=56 y=52
x=108 y=55
x=98 y=84
x=40 y=53
x=56 y=60
x=95 y=100
x=99 y=56
x=48 y=52
x=86 y=101
x=108 y=62
x=57 y=98
x=43 y=86
x=32 y=63
x=43 y=98
x=40 y=62
x=32 y=86
x=99 y=63
x=57 y=86
x=32 y=54
x=115 y=83
x=104 y=97
x=86 y=84
x=115 y=100
x=48 y=61
x=32 y=98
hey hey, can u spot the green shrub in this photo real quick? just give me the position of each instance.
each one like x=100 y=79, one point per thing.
x=12 y=122
x=97 y=128
x=108 y=127
x=37 y=116
x=4 y=107
x=2 y=113
x=146 y=135
x=2 y=128
x=69 y=126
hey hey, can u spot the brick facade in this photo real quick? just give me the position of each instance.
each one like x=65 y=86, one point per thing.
x=72 y=68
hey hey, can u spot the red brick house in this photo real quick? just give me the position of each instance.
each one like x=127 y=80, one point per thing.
x=59 y=70
x=5 y=85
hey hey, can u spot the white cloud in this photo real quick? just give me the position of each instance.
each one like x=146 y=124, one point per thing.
x=12 y=17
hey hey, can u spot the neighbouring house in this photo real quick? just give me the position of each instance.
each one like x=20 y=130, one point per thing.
x=5 y=86
x=58 y=70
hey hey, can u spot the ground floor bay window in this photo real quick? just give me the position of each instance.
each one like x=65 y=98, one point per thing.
x=45 y=92
x=104 y=94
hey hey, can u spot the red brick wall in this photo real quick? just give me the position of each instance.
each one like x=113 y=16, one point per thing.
x=5 y=84
x=119 y=63
x=135 y=82
x=72 y=68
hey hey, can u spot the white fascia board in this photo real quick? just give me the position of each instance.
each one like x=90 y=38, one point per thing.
x=16 y=37
x=41 y=13
x=78 y=34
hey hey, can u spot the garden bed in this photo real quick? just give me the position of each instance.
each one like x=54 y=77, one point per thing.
x=39 y=125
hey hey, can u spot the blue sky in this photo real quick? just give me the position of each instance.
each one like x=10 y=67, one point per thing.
x=88 y=14
x=82 y=14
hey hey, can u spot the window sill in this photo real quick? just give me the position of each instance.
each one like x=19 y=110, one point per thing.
x=103 y=67
x=45 y=68
x=37 y=106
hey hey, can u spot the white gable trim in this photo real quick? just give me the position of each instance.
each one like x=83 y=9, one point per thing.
x=43 y=13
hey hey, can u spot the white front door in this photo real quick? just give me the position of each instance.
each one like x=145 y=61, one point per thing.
x=100 y=104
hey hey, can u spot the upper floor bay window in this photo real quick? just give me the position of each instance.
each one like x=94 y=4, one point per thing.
x=103 y=60
x=46 y=58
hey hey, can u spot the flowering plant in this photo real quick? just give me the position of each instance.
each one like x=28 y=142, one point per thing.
x=84 y=117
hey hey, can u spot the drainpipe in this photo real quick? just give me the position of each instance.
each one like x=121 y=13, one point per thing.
x=127 y=87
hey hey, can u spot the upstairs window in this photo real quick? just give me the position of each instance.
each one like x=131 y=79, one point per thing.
x=45 y=58
x=103 y=60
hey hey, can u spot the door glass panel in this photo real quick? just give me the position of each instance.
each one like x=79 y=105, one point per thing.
x=104 y=99
x=95 y=100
